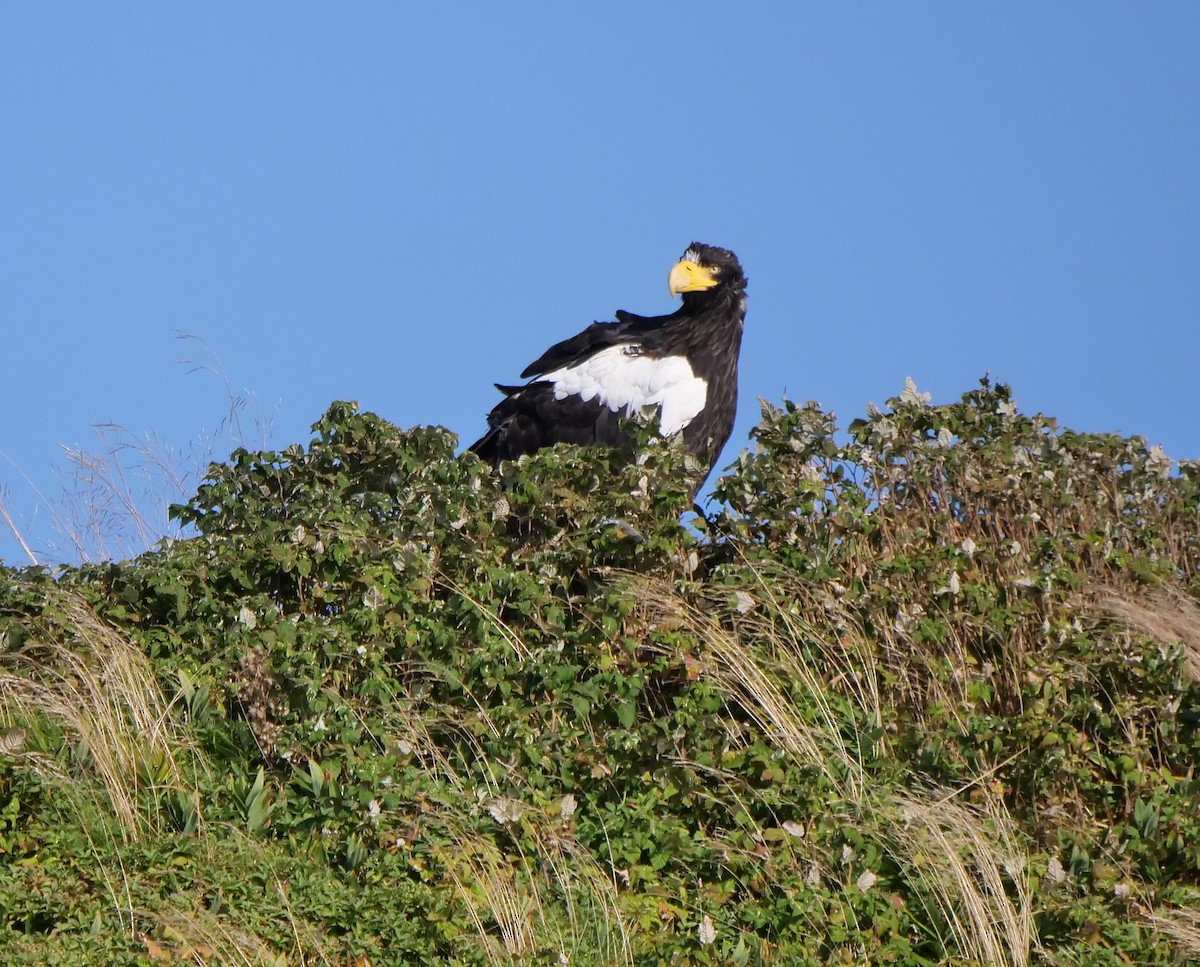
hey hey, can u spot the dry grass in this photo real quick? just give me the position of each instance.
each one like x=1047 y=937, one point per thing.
x=120 y=493
x=114 y=498
x=7 y=519
x=510 y=636
x=767 y=655
x=588 y=893
x=189 y=928
x=488 y=886
x=199 y=936
x=1182 y=925
x=116 y=495
x=969 y=869
x=1164 y=614
x=559 y=898
x=96 y=687
x=772 y=630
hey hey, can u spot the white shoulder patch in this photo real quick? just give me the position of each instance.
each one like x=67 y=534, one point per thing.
x=627 y=383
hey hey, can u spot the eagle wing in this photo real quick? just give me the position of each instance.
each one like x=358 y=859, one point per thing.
x=586 y=385
x=596 y=337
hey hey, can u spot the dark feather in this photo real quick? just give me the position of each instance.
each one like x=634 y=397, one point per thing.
x=599 y=335
x=705 y=331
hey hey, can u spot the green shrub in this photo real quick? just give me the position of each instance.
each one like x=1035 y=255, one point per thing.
x=923 y=693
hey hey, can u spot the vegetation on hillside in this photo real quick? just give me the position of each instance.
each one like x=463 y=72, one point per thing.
x=921 y=693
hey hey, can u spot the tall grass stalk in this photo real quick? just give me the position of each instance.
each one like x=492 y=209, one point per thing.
x=1182 y=925
x=734 y=661
x=765 y=652
x=97 y=689
x=1166 y=615
x=116 y=495
x=559 y=899
x=969 y=869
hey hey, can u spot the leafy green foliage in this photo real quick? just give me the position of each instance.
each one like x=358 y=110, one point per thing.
x=920 y=694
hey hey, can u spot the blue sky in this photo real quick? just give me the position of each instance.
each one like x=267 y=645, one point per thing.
x=402 y=204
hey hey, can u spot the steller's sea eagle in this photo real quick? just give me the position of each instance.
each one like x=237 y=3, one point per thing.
x=685 y=364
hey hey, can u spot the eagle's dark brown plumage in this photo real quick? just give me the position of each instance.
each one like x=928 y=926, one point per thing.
x=684 y=364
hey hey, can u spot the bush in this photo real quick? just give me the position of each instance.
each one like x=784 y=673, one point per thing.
x=925 y=693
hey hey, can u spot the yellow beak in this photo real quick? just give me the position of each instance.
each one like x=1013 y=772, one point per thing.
x=689 y=277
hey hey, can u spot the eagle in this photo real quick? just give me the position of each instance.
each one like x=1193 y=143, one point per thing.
x=681 y=366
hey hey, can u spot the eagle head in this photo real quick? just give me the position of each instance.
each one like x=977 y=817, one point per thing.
x=705 y=272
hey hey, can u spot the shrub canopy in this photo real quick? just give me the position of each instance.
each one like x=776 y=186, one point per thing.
x=920 y=693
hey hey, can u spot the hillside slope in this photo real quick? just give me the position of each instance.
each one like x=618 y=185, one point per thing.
x=928 y=696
